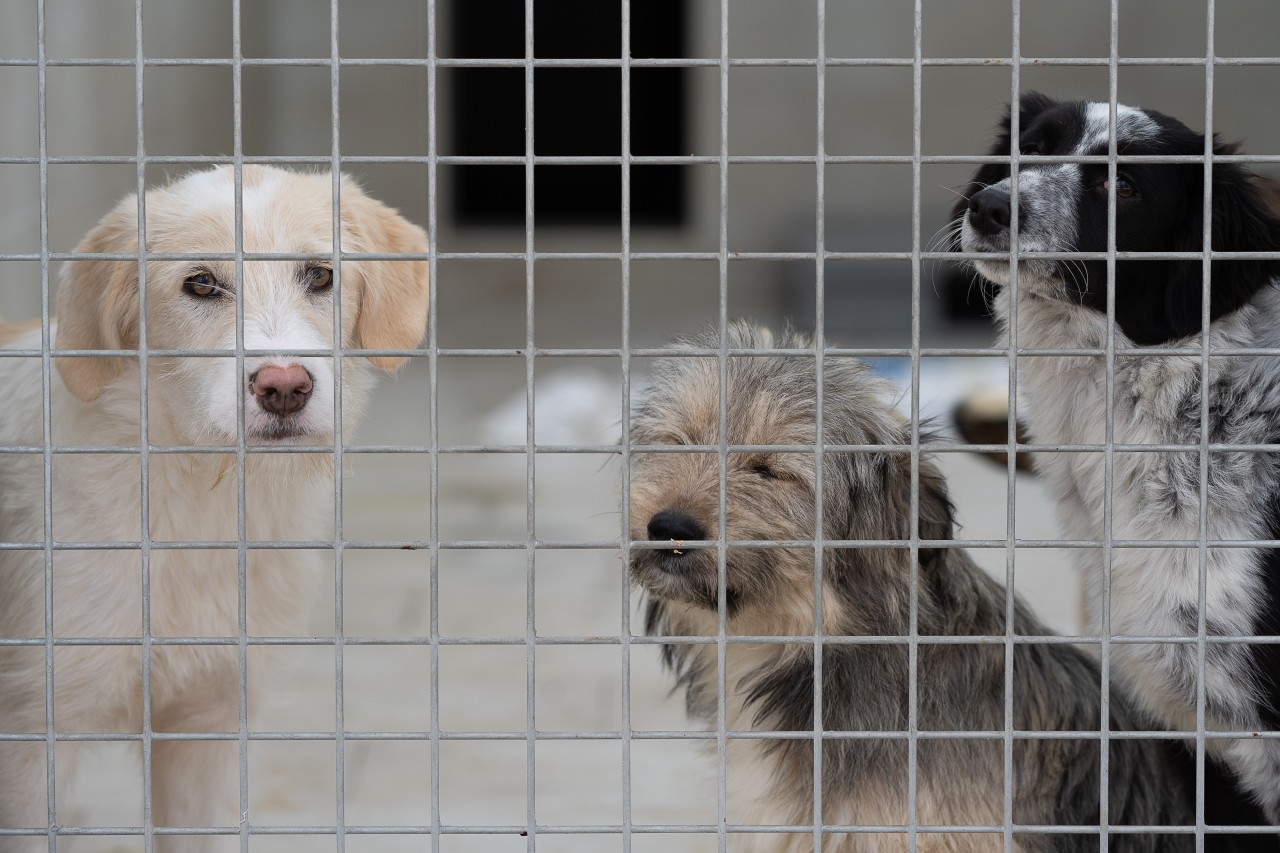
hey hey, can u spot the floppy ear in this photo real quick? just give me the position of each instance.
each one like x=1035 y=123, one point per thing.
x=1243 y=221
x=98 y=304
x=934 y=508
x=936 y=512
x=392 y=313
x=1031 y=105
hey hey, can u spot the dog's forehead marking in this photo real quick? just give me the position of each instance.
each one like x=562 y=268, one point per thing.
x=1131 y=124
x=279 y=212
x=217 y=187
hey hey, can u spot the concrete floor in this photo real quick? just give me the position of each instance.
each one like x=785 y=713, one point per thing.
x=485 y=593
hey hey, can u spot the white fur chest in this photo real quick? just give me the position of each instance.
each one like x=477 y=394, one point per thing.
x=1152 y=496
x=191 y=498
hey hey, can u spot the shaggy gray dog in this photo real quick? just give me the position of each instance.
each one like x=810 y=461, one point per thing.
x=865 y=591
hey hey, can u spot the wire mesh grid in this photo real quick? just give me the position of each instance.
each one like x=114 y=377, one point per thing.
x=534 y=830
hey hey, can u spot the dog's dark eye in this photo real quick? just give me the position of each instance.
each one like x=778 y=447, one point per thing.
x=202 y=285
x=319 y=278
x=1125 y=187
x=764 y=470
x=1029 y=149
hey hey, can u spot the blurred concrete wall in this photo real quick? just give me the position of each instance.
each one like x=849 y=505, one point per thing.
x=286 y=111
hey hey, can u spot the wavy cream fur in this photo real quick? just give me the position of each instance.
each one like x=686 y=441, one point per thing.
x=192 y=497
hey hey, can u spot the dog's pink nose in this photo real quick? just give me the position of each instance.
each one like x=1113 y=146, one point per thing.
x=281 y=390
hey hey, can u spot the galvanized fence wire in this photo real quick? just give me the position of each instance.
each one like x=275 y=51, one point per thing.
x=628 y=640
x=1203 y=525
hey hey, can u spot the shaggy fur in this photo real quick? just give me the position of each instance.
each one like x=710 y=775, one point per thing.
x=287 y=306
x=1157 y=400
x=865 y=591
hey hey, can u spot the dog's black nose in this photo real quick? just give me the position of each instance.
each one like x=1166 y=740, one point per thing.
x=673 y=524
x=989 y=211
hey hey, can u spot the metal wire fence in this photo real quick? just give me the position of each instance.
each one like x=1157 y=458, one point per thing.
x=533 y=829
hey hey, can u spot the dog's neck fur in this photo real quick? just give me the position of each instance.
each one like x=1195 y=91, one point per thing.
x=1156 y=495
x=770 y=687
x=191 y=497
x=301 y=480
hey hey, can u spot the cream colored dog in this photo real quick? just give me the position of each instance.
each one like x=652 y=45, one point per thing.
x=284 y=399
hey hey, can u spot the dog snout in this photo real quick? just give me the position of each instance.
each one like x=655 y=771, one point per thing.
x=989 y=211
x=281 y=390
x=672 y=524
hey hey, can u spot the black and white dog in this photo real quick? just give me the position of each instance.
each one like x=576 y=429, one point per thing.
x=1154 y=591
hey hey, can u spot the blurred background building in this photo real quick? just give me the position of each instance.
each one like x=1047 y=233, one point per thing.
x=772 y=111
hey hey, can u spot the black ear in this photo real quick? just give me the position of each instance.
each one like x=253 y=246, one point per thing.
x=1243 y=221
x=1031 y=105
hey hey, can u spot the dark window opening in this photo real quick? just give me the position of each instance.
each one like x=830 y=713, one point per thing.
x=577 y=112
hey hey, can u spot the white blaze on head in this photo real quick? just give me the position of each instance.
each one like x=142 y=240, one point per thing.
x=277 y=214
x=1131 y=124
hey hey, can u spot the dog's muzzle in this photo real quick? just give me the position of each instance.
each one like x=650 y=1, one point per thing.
x=989 y=212
x=674 y=528
x=672 y=525
x=282 y=391
x=675 y=572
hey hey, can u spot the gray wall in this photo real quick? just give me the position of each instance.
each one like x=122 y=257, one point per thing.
x=772 y=111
